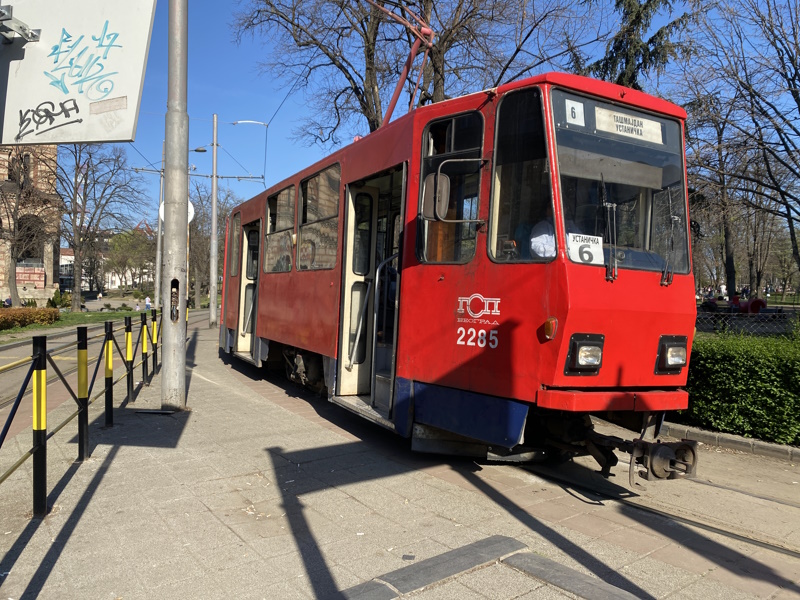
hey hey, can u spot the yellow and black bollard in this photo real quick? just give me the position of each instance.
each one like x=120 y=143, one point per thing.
x=40 y=427
x=144 y=349
x=154 y=314
x=109 y=356
x=129 y=357
x=83 y=395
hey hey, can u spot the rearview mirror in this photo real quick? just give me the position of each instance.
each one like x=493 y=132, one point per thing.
x=440 y=188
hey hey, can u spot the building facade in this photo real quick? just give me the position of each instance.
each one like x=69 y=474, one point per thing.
x=30 y=221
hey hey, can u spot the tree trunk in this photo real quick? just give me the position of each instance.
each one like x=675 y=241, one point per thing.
x=792 y=235
x=727 y=229
x=77 y=277
x=12 y=282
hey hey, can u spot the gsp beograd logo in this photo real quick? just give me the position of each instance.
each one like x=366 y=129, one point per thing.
x=472 y=309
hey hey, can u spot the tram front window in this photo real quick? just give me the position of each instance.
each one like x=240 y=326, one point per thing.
x=622 y=185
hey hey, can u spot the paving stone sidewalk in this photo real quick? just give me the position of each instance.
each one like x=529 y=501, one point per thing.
x=260 y=490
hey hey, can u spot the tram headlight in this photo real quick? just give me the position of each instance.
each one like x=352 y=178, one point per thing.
x=585 y=355
x=590 y=356
x=672 y=354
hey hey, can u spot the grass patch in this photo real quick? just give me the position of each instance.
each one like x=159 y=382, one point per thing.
x=74 y=319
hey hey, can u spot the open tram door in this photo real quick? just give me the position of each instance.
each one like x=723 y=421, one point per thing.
x=370 y=293
x=244 y=340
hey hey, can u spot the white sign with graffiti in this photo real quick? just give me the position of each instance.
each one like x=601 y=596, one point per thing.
x=82 y=81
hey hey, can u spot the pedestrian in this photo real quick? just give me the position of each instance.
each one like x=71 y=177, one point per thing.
x=147 y=303
x=137 y=307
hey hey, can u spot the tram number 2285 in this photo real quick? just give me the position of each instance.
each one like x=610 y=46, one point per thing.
x=477 y=337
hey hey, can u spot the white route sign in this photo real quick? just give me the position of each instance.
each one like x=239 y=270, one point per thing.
x=587 y=249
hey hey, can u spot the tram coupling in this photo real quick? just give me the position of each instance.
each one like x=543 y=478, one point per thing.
x=662 y=460
x=651 y=460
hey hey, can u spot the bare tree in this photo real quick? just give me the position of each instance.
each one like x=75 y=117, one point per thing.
x=351 y=53
x=118 y=259
x=99 y=192
x=29 y=209
x=752 y=48
x=713 y=154
x=762 y=226
x=200 y=236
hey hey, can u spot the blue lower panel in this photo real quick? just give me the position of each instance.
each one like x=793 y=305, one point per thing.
x=496 y=421
x=402 y=414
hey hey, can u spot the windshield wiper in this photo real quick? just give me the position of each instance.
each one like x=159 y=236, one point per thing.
x=667 y=272
x=610 y=232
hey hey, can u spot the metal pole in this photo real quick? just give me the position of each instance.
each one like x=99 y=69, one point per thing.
x=40 y=427
x=109 y=356
x=129 y=357
x=155 y=339
x=144 y=349
x=176 y=193
x=213 y=275
x=83 y=394
x=157 y=292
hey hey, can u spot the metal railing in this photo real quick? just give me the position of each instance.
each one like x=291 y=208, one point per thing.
x=37 y=373
x=769 y=322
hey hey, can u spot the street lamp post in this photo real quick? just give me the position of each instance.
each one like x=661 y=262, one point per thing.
x=213 y=275
x=212 y=303
x=157 y=291
x=174 y=276
x=213 y=245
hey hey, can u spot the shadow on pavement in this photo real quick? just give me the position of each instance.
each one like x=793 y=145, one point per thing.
x=122 y=434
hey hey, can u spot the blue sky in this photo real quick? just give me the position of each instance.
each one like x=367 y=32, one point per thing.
x=223 y=78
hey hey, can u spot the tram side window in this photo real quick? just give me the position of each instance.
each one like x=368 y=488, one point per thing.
x=280 y=226
x=522 y=198
x=233 y=250
x=448 y=220
x=319 y=220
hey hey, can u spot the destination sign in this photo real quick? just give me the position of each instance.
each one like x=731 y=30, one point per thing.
x=628 y=125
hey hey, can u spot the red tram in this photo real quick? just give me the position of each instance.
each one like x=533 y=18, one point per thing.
x=485 y=273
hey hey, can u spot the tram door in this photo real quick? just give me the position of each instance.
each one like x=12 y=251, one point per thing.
x=248 y=292
x=368 y=341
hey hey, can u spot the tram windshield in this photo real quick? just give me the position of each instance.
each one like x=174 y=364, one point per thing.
x=622 y=187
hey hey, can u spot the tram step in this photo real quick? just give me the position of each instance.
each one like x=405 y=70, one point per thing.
x=361 y=406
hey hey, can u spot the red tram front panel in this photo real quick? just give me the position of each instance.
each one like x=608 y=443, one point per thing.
x=481 y=326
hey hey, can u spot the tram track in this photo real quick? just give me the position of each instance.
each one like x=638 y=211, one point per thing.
x=685 y=517
x=7 y=400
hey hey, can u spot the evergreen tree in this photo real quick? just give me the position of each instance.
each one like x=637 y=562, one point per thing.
x=629 y=56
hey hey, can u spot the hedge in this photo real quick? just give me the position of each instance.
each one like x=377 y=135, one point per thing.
x=20 y=317
x=747 y=386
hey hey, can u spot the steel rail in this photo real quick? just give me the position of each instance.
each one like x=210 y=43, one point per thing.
x=746 y=537
x=15 y=364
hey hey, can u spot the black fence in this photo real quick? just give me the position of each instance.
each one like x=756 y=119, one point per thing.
x=768 y=322
x=147 y=339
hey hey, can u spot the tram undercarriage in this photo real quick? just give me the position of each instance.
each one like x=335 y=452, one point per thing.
x=562 y=436
x=549 y=436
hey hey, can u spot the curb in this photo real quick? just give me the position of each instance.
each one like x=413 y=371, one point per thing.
x=732 y=442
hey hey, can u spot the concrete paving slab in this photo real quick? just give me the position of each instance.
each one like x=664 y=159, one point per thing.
x=261 y=491
x=443 y=566
x=567 y=579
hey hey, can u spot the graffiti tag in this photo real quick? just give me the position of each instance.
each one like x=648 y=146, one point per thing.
x=46 y=117
x=80 y=63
